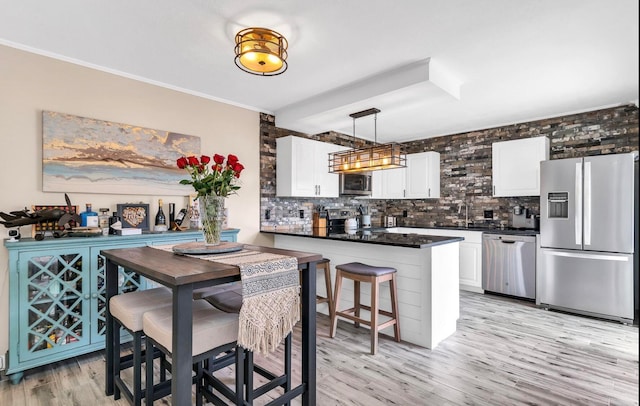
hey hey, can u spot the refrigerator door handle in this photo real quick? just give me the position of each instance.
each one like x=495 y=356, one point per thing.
x=588 y=256
x=578 y=204
x=587 y=203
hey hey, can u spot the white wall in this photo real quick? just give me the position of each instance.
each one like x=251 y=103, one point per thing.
x=31 y=83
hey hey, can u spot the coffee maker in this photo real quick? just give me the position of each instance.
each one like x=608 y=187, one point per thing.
x=522 y=218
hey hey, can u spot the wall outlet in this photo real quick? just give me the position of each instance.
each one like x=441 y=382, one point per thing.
x=488 y=214
x=301 y=213
x=1 y=362
x=267 y=214
x=404 y=213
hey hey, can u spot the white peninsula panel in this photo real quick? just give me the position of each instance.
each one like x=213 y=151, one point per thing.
x=428 y=279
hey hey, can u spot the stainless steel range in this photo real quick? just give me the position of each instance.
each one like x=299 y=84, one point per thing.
x=337 y=217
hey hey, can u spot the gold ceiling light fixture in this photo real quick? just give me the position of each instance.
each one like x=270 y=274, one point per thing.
x=366 y=159
x=261 y=51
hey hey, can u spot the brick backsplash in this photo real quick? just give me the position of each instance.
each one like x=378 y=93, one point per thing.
x=465 y=168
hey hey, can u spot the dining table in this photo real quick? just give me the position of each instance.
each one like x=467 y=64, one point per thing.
x=182 y=274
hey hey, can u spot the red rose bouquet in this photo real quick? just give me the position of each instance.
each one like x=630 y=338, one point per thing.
x=212 y=176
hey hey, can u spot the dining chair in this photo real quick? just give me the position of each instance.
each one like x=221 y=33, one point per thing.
x=230 y=300
x=127 y=310
x=213 y=347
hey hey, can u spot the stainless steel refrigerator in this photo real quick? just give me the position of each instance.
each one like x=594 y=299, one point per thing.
x=588 y=236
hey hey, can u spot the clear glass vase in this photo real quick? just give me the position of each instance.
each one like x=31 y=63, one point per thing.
x=211 y=214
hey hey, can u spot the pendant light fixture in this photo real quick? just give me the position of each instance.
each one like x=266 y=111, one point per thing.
x=261 y=51
x=366 y=159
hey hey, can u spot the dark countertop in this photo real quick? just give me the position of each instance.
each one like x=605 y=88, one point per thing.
x=371 y=236
x=481 y=228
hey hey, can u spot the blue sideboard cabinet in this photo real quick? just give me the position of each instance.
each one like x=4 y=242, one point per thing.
x=56 y=294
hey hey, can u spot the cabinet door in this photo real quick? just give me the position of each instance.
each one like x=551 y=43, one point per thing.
x=516 y=166
x=471 y=265
x=304 y=168
x=328 y=183
x=127 y=282
x=393 y=183
x=377 y=185
x=423 y=175
x=55 y=310
x=295 y=167
x=388 y=184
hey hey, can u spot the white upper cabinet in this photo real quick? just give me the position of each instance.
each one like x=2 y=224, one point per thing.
x=419 y=180
x=302 y=168
x=388 y=183
x=423 y=175
x=516 y=166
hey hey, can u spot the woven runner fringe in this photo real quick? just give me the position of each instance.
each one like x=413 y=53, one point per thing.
x=263 y=327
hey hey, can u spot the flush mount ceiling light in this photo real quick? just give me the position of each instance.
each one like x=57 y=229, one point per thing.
x=261 y=51
x=366 y=159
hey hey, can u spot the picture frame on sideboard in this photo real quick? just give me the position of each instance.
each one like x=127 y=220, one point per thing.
x=134 y=215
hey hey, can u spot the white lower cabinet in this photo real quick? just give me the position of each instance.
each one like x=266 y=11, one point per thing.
x=471 y=266
x=470 y=253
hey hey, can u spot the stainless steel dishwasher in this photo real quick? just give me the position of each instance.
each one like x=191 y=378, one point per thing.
x=509 y=264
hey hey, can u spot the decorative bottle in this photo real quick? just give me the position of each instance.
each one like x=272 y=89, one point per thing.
x=89 y=218
x=103 y=220
x=112 y=220
x=161 y=220
x=172 y=214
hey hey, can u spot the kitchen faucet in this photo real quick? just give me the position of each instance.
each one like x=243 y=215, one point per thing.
x=466 y=213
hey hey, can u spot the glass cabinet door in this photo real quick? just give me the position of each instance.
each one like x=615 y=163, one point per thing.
x=55 y=288
x=127 y=282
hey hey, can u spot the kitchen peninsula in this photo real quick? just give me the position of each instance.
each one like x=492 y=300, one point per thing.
x=428 y=274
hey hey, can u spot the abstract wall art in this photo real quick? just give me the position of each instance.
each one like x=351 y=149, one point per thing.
x=93 y=156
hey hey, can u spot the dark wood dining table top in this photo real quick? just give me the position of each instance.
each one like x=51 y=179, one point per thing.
x=174 y=270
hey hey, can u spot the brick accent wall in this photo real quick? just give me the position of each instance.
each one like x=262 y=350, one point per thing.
x=465 y=168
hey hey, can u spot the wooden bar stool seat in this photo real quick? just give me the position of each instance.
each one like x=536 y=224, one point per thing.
x=359 y=272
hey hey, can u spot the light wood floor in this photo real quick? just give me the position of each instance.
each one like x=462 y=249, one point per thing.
x=505 y=352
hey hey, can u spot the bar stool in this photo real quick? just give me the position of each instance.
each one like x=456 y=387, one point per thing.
x=214 y=333
x=359 y=272
x=325 y=264
x=127 y=310
x=230 y=300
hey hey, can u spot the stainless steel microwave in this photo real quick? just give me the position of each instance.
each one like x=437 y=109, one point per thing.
x=355 y=184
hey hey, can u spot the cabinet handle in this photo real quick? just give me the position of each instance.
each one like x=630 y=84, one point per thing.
x=429 y=192
x=318 y=190
x=494 y=190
